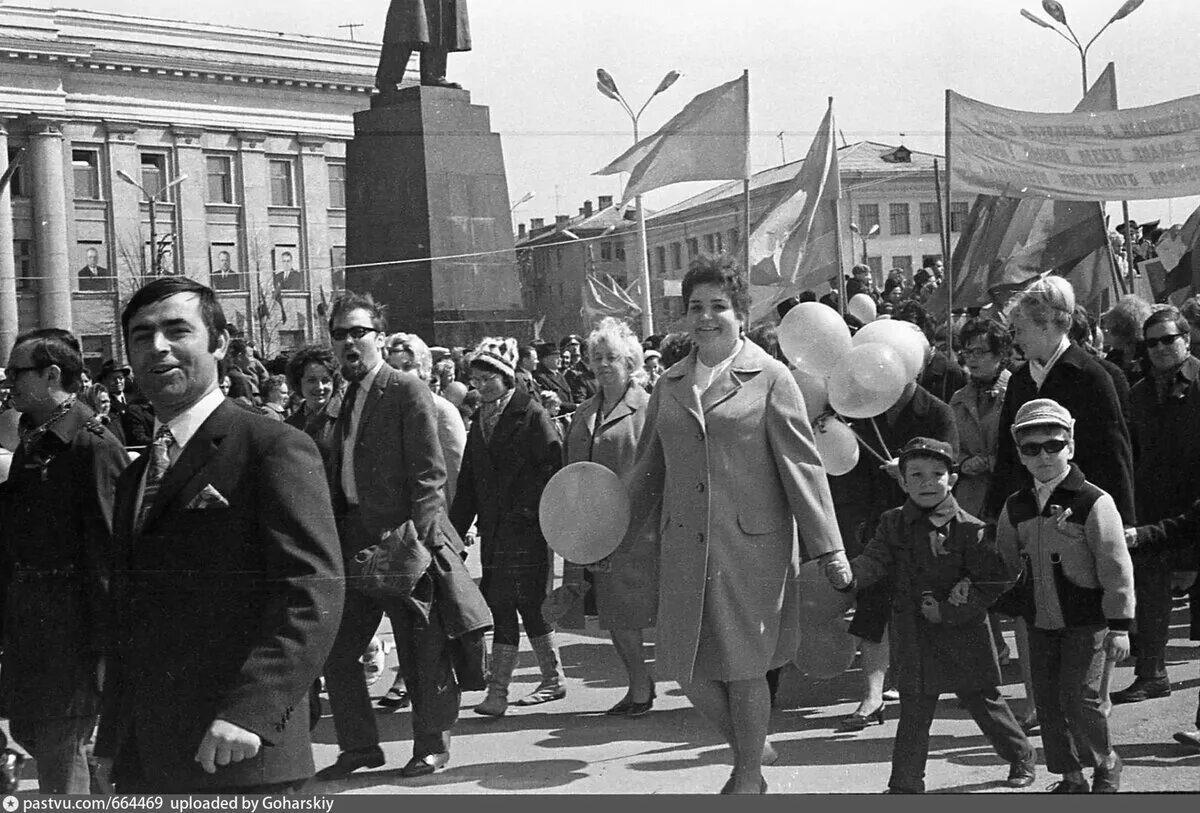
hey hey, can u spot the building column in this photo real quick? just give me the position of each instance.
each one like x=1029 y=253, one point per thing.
x=191 y=237
x=256 y=221
x=52 y=258
x=8 y=265
x=314 y=190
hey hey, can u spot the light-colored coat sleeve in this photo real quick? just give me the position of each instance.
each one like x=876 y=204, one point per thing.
x=1104 y=533
x=645 y=480
x=790 y=437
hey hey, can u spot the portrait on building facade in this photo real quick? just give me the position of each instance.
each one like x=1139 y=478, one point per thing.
x=223 y=272
x=94 y=274
x=286 y=276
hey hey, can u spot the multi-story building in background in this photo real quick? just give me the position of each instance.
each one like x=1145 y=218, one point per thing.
x=239 y=137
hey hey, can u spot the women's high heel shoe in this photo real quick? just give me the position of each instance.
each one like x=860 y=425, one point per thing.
x=641 y=709
x=857 y=721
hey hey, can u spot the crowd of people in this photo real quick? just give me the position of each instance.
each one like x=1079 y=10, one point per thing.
x=171 y=622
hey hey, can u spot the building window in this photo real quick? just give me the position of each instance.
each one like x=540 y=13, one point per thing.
x=929 y=218
x=661 y=253
x=154 y=173
x=220 y=178
x=337 y=186
x=337 y=274
x=693 y=248
x=96 y=351
x=903 y=263
x=15 y=185
x=23 y=260
x=710 y=243
x=876 y=264
x=619 y=251
x=958 y=216
x=605 y=251
x=898 y=219
x=282 y=189
x=868 y=216
x=676 y=256
x=291 y=339
x=85 y=166
x=558 y=258
x=735 y=239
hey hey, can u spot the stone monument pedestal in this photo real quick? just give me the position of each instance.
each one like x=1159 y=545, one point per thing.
x=425 y=184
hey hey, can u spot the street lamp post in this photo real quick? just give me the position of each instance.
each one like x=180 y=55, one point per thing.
x=874 y=230
x=155 y=257
x=608 y=87
x=1056 y=12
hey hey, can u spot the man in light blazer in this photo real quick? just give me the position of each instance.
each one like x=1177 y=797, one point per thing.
x=228 y=585
x=387 y=469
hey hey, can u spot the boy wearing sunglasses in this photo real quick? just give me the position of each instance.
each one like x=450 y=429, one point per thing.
x=1065 y=536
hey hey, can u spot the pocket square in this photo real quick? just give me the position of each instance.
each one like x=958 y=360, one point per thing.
x=208 y=497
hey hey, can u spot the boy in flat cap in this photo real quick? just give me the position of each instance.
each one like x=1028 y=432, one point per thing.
x=928 y=546
x=1065 y=536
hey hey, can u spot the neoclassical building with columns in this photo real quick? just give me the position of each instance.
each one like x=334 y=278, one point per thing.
x=147 y=146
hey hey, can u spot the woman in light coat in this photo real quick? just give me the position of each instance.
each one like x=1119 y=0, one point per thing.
x=728 y=453
x=605 y=430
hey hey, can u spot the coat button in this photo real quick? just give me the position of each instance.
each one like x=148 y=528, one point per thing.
x=700 y=538
x=700 y=487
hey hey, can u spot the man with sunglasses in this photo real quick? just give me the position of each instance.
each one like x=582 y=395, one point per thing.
x=1165 y=418
x=388 y=469
x=56 y=562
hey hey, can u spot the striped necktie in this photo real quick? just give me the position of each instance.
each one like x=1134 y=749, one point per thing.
x=160 y=460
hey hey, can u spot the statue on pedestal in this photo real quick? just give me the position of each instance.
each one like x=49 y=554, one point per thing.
x=433 y=27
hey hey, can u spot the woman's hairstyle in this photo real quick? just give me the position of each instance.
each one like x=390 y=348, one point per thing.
x=414 y=345
x=618 y=337
x=1049 y=301
x=722 y=271
x=312 y=354
x=994 y=335
x=1124 y=320
x=272 y=386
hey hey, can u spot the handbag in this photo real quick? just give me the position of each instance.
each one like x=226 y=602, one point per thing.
x=392 y=567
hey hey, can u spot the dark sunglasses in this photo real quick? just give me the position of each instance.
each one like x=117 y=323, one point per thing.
x=356 y=333
x=1163 y=340
x=1035 y=449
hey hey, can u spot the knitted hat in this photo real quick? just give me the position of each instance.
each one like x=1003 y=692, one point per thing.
x=497 y=354
x=1042 y=412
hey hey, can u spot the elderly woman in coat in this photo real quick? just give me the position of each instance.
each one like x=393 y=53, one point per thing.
x=605 y=430
x=728 y=454
x=512 y=452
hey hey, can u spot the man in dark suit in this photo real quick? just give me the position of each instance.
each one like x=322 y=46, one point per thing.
x=548 y=376
x=228 y=583
x=93 y=276
x=1041 y=317
x=387 y=470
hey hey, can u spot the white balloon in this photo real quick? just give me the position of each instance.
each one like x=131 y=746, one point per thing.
x=837 y=446
x=815 y=390
x=862 y=308
x=903 y=337
x=814 y=337
x=870 y=379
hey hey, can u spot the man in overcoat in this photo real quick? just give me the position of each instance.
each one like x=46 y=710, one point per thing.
x=227 y=585
x=433 y=27
x=56 y=560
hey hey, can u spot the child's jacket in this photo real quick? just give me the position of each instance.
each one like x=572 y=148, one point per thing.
x=932 y=551
x=1074 y=566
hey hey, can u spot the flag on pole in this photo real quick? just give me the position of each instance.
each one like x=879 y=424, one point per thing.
x=709 y=140
x=1006 y=242
x=599 y=301
x=794 y=245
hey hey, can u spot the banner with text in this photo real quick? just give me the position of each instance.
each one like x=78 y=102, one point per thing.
x=1142 y=153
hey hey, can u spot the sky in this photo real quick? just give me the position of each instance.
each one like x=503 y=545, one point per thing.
x=886 y=63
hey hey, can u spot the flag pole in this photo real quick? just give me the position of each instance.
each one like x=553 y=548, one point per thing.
x=947 y=260
x=837 y=226
x=746 y=183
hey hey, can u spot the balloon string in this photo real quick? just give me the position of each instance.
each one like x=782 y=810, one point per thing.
x=882 y=444
x=867 y=446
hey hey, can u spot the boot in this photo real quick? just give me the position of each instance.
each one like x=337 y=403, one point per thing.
x=504 y=660
x=1150 y=682
x=551 y=687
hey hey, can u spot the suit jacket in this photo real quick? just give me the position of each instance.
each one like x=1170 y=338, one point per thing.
x=399 y=470
x=556 y=382
x=1102 y=448
x=227 y=604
